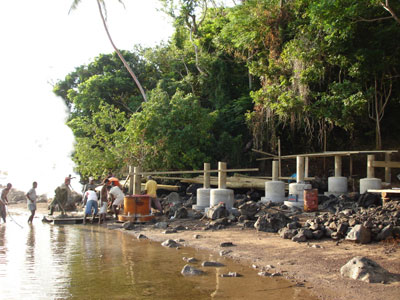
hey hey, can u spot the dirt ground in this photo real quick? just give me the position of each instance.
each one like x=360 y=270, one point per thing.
x=317 y=268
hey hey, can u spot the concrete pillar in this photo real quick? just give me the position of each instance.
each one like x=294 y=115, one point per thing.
x=388 y=173
x=300 y=169
x=222 y=195
x=306 y=164
x=338 y=166
x=274 y=190
x=275 y=170
x=137 y=181
x=131 y=184
x=222 y=175
x=370 y=182
x=370 y=168
x=206 y=183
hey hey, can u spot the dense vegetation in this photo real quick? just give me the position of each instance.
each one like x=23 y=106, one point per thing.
x=319 y=74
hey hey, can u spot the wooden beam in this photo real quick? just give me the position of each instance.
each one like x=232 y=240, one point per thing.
x=386 y=164
x=262 y=152
x=196 y=171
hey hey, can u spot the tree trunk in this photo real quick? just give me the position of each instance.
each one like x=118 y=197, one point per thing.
x=120 y=55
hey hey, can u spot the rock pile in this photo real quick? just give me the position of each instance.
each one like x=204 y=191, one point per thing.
x=359 y=224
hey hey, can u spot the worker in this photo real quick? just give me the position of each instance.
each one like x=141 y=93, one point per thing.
x=117 y=197
x=151 y=190
x=89 y=185
x=31 y=201
x=104 y=201
x=62 y=195
x=4 y=201
x=90 y=201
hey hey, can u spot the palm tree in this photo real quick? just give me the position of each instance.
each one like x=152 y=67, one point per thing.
x=103 y=11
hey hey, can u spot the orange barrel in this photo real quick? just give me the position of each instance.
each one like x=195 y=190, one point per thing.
x=137 y=205
x=310 y=199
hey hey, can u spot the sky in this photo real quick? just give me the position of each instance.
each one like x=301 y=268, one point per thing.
x=41 y=43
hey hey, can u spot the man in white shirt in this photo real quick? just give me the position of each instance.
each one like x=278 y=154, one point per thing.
x=117 y=196
x=90 y=200
x=31 y=201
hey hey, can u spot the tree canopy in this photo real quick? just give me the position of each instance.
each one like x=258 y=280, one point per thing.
x=235 y=78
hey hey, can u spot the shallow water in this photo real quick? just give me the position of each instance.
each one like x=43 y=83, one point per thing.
x=43 y=261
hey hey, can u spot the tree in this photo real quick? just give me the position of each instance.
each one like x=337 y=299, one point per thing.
x=103 y=12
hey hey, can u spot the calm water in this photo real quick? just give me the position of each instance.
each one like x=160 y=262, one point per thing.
x=45 y=261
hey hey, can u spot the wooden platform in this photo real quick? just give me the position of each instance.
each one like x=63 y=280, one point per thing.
x=68 y=220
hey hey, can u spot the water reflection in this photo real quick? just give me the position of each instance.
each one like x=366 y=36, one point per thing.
x=44 y=261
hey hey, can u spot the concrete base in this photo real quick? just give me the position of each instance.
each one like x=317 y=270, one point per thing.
x=203 y=197
x=222 y=195
x=274 y=191
x=298 y=190
x=296 y=194
x=370 y=183
x=199 y=207
x=337 y=185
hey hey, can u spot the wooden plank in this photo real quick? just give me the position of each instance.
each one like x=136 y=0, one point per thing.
x=262 y=152
x=329 y=153
x=197 y=171
x=386 y=164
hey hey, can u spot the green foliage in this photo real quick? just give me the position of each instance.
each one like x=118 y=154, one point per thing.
x=235 y=78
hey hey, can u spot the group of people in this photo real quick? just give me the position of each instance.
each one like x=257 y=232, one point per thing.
x=31 y=197
x=111 y=195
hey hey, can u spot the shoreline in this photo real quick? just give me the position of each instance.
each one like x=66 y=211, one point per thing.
x=316 y=268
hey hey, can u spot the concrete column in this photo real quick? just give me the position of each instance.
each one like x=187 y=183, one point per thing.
x=137 y=181
x=300 y=169
x=222 y=175
x=206 y=183
x=131 y=184
x=388 y=171
x=370 y=168
x=338 y=166
x=275 y=170
x=307 y=162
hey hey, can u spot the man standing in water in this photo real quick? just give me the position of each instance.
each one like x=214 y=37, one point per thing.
x=4 y=201
x=151 y=190
x=31 y=200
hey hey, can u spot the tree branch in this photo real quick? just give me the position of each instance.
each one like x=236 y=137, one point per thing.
x=387 y=7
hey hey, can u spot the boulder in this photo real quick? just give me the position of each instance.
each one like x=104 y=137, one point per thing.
x=249 y=209
x=364 y=269
x=287 y=233
x=128 y=225
x=191 y=271
x=300 y=237
x=272 y=222
x=181 y=213
x=359 y=234
x=386 y=232
x=170 y=244
x=212 y=264
x=217 y=211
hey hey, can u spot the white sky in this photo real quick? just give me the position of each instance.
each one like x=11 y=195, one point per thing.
x=40 y=43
